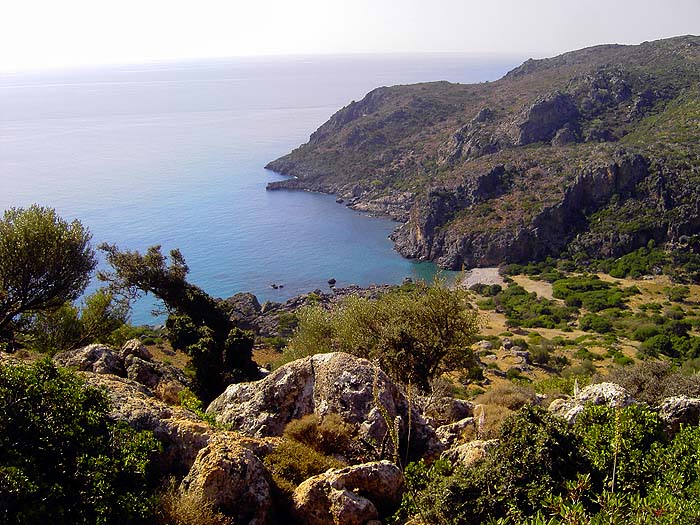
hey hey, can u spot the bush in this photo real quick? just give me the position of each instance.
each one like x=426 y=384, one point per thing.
x=651 y=381
x=511 y=396
x=100 y=320
x=329 y=435
x=415 y=336
x=293 y=462
x=176 y=507
x=62 y=460
x=595 y=323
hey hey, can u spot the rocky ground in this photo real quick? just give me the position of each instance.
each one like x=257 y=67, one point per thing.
x=225 y=463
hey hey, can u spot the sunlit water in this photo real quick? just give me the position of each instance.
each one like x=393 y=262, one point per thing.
x=173 y=154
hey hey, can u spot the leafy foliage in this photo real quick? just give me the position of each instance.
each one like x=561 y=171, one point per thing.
x=61 y=459
x=101 y=319
x=198 y=324
x=415 y=335
x=543 y=472
x=44 y=261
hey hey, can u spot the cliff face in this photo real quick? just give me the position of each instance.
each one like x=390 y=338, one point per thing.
x=594 y=151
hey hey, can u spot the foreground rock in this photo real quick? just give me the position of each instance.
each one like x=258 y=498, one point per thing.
x=470 y=453
x=182 y=433
x=322 y=384
x=132 y=361
x=608 y=394
x=232 y=479
x=353 y=495
x=679 y=410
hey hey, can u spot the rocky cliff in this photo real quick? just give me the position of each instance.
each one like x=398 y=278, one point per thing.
x=595 y=151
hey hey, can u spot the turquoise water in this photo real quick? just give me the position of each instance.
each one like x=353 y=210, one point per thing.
x=173 y=154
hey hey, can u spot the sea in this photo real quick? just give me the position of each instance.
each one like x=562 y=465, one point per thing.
x=172 y=154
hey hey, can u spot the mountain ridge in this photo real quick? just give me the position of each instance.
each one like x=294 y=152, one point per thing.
x=594 y=151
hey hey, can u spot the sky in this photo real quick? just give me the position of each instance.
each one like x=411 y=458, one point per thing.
x=37 y=34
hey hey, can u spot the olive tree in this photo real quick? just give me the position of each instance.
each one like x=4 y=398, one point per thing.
x=44 y=261
x=197 y=323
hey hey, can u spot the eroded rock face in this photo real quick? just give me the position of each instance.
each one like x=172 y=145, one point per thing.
x=182 y=433
x=323 y=384
x=353 y=495
x=608 y=394
x=470 y=453
x=132 y=361
x=679 y=410
x=96 y=358
x=233 y=479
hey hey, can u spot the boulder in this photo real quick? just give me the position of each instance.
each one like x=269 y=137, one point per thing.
x=679 y=410
x=444 y=410
x=136 y=348
x=354 y=495
x=244 y=308
x=182 y=433
x=450 y=434
x=232 y=479
x=470 y=453
x=95 y=358
x=353 y=388
x=164 y=380
x=608 y=394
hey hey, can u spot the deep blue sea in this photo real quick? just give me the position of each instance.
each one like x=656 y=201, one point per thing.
x=173 y=154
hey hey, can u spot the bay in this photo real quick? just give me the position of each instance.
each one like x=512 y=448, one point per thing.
x=173 y=154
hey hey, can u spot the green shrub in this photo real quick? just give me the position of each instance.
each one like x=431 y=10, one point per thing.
x=414 y=336
x=293 y=462
x=595 y=323
x=62 y=460
x=328 y=435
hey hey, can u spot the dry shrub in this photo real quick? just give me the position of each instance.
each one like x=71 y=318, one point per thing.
x=329 y=435
x=509 y=395
x=176 y=507
x=293 y=462
x=653 y=381
x=494 y=415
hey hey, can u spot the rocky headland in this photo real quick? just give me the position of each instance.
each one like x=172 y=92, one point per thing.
x=594 y=151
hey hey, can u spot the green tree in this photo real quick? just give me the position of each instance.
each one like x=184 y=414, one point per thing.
x=44 y=262
x=197 y=323
x=101 y=319
x=415 y=336
x=62 y=460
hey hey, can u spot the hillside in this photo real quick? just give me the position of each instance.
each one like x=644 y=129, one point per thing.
x=595 y=151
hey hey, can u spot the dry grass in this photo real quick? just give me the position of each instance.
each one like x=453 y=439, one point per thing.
x=181 y=508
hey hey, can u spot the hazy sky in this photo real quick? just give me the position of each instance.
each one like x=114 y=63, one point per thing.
x=57 y=33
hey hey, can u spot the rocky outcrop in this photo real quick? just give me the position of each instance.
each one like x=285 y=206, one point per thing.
x=232 y=479
x=353 y=388
x=679 y=410
x=427 y=236
x=132 y=361
x=354 y=495
x=608 y=394
x=95 y=358
x=539 y=121
x=450 y=434
x=470 y=453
